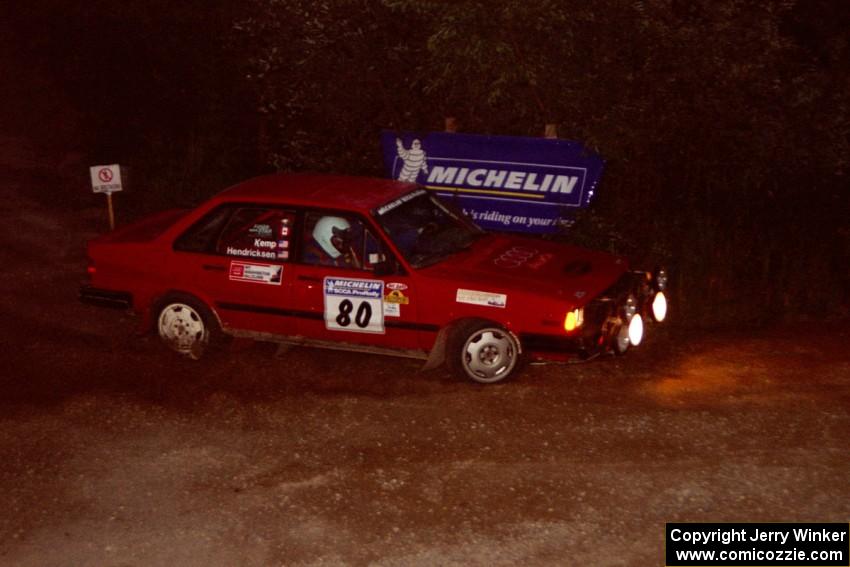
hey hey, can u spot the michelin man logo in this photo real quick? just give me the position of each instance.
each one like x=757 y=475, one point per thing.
x=415 y=160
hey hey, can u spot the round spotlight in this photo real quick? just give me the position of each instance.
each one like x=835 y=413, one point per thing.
x=659 y=307
x=636 y=330
x=621 y=342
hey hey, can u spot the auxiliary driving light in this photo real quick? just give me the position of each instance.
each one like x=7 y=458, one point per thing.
x=621 y=342
x=636 y=330
x=659 y=307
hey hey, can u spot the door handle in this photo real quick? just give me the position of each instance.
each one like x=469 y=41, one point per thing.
x=309 y=279
x=214 y=267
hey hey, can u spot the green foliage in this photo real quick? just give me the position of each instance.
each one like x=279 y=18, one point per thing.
x=725 y=136
x=328 y=77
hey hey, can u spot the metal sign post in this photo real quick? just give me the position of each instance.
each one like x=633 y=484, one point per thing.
x=106 y=179
x=111 y=211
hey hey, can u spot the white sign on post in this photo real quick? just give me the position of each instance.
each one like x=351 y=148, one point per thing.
x=105 y=178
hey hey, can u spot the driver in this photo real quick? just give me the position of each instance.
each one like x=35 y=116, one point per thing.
x=331 y=244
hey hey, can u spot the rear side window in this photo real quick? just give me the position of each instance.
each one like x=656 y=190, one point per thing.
x=258 y=232
x=201 y=237
x=241 y=231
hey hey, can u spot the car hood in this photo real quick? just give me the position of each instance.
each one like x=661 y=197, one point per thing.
x=521 y=264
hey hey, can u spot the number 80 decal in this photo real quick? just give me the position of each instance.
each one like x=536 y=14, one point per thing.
x=354 y=305
x=362 y=318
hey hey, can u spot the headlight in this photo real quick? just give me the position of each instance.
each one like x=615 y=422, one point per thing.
x=636 y=330
x=574 y=320
x=659 y=306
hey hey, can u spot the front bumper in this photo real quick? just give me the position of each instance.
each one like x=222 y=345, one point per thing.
x=604 y=317
x=580 y=346
x=106 y=297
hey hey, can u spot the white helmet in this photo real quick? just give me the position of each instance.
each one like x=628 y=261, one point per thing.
x=326 y=229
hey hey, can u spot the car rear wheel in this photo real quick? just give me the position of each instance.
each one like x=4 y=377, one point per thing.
x=483 y=352
x=186 y=325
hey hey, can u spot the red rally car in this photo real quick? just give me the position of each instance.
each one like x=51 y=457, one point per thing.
x=368 y=265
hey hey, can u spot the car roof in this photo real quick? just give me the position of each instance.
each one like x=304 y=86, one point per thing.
x=331 y=191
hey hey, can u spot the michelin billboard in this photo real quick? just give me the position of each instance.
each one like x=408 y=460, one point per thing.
x=504 y=183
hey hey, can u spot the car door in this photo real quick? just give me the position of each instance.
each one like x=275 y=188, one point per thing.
x=349 y=286
x=236 y=258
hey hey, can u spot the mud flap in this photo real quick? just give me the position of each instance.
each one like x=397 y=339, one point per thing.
x=438 y=352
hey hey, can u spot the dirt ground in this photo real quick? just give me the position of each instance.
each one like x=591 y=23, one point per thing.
x=115 y=452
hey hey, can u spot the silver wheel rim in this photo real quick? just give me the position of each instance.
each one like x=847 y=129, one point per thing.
x=182 y=329
x=489 y=355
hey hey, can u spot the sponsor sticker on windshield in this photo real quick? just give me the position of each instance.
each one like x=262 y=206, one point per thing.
x=485 y=298
x=400 y=201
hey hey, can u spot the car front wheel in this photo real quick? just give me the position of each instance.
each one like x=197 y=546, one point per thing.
x=186 y=326
x=483 y=352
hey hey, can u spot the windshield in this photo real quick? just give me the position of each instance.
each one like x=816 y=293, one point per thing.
x=425 y=230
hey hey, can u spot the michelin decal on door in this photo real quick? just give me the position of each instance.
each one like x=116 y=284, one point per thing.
x=354 y=305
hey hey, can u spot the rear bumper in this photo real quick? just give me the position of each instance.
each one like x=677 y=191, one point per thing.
x=106 y=297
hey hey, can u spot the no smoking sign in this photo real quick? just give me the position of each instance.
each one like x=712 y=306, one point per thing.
x=105 y=178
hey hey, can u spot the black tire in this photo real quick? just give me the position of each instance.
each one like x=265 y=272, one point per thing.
x=483 y=351
x=186 y=325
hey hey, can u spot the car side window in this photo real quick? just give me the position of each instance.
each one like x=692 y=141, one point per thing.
x=376 y=257
x=201 y=236
x=340 y=240
x=258 y=232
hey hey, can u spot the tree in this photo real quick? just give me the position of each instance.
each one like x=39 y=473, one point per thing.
x=725 y=132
